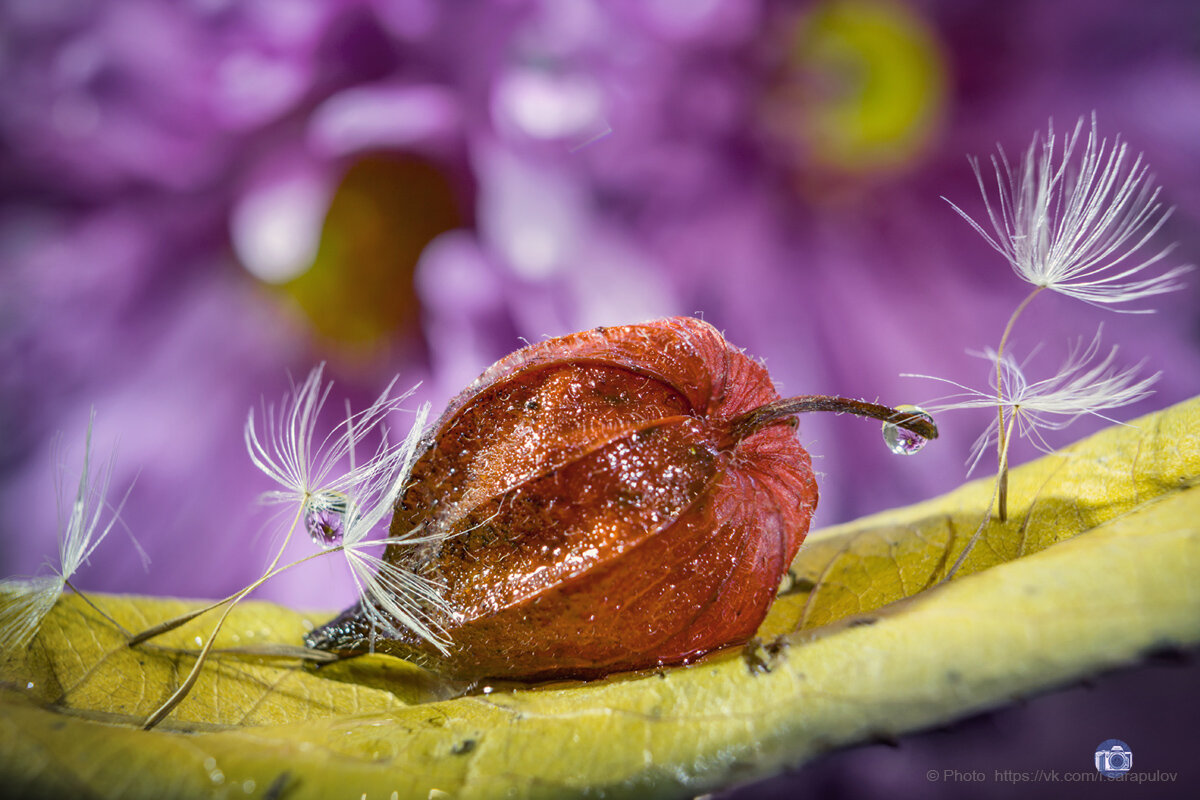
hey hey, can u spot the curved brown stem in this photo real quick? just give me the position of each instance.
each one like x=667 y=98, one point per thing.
x=757 y=419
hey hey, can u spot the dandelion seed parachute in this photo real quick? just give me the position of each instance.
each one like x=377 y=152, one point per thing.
x=24 y=602
x=325 y=480
x=1085 y=383
x=350 y=501
x=1073 y=227
x=1078 y=230
x=81 y=528
x=310 y=472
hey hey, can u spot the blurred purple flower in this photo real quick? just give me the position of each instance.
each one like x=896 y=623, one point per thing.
x=196 y=198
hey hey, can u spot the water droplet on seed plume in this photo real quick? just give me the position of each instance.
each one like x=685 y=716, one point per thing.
x=325 y=520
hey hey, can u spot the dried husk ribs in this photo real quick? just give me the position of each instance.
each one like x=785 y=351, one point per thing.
x=598 y=513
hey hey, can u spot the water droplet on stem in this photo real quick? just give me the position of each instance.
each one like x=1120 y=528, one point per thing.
x=902 y=441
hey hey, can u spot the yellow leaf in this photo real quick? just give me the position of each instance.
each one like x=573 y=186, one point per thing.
x=79 y=664
x=1117 y=511
x=863 y=565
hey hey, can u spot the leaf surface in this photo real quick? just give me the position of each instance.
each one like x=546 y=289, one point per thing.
x=1097 y=565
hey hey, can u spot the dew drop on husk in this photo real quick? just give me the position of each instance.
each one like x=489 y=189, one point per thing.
x=901 y=441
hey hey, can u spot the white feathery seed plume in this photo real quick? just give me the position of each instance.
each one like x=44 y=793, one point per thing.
x=1084 y=384
x=81 y=528
x=310 y=473
x=390 y=594
x=339 y=498
x=1071 y=228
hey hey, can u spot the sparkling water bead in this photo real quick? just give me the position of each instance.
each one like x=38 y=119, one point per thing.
x=325 y=523
x=901 y=441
